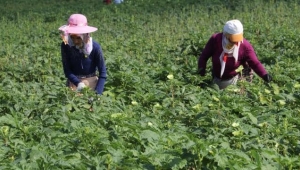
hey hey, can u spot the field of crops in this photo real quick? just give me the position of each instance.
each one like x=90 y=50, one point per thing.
x=156 y=112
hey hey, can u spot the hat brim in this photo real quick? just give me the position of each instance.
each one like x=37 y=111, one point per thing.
x=81 y=29
x=236 y=37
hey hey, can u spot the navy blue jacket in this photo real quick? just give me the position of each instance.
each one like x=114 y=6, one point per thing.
x=76 y=63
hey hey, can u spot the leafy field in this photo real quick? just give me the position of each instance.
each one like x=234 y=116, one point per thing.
x=156 y=112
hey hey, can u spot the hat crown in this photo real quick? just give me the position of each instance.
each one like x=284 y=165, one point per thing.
x=233 y=27
x=77 y=24
x=77 y=20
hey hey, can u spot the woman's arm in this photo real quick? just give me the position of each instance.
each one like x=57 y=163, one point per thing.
x=100 y=63
x=66 y=65
x=205 y=55
x=252 y=60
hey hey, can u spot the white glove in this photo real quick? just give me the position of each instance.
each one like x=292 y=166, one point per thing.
x=80 y=86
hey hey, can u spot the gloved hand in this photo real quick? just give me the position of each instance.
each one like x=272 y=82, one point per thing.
x=80 y=86
x=267 y=78
x=90 y=100
x=201 y=71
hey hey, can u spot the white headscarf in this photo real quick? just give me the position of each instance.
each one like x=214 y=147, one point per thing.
x=235 y=29
x=234 y=50
x=86 y=48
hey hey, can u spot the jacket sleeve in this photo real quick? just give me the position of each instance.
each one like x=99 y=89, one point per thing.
x=205 y=55
x=100 y=62
x=253 y=62
x=66 y=66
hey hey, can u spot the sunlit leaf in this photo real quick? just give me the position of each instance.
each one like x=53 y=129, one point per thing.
x=252 y=118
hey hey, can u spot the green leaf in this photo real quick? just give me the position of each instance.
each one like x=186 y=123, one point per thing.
x=252 y=118
x=225 y=145
x=222 y=160
x=149 y=135
x=242 y=155
x=269 y=154
x=257 y=157
x=178 y=163
x=263 y=99
x=117 y=154
x=8 y=120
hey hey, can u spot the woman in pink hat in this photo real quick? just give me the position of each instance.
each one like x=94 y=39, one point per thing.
x=81 y=56
x=229 y=50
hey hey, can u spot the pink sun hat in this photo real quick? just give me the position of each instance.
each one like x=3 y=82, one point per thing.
x=77 y=24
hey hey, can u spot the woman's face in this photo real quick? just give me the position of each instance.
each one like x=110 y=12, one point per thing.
x=76 y=39
x=228 y=38
x=230 y=43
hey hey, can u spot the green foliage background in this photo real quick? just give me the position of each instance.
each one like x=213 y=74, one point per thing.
x=145 y=120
